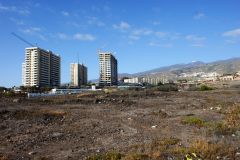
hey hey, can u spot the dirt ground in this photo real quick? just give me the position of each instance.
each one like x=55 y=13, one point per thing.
x=132 y=124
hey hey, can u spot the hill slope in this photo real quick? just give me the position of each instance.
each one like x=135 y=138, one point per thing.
x=224 y=66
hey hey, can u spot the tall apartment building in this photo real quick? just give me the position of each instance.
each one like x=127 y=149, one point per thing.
x=108 y=69
x=41 y=68
x=78 y=74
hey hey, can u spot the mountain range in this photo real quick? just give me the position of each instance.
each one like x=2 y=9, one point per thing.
x=222 y=67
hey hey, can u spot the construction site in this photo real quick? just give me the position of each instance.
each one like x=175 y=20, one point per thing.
x=122 y=124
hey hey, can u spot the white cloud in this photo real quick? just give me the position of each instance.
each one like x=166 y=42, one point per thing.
x=7 y=8
x=197 y=41
x=77 y=36
x=106 y=8
x=95 y=21
x=144 y=32
x=231 y=41
x=77 y=25
x=34 y=31
x=37 y=5
x=174 y=36
x=23 y=11
x=199 y=15
x=164 y=45
x=83 y=37
x=31 y=30
x=63 y=36
x=65 y=13
x=195 y=38
x=232 y=33
x=100 y=24
x=198 y=45
x=160 y=34
x=156 y=23
x=122 y=26
x=136 y=34
x=134 y=37
x=17 y=21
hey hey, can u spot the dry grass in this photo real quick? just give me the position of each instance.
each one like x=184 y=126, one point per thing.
x=136 y=156
x=229 y=124
x=112 y=155
x=232 y=118
x=3 y=157
x=25 y=114
x=209 y=150
x=160 y=114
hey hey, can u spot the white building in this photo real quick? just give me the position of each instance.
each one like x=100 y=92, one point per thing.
x=108 y=69
x=133 y=80
x=41 y=68
x=152 y=81
x=227 y=77
x=78 y=74
x=149 y=80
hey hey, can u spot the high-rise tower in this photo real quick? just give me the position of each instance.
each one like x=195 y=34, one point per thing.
x=78 y=74
x=108 y=69
x=41 y=68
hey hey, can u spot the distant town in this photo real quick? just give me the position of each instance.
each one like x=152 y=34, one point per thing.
x=42 y=69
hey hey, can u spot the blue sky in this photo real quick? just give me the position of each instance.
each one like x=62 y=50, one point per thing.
x=143 y=34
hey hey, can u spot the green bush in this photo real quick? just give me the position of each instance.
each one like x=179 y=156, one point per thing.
x=205 y=88
x=106 y=156
x=193 y=121
x=167 y=87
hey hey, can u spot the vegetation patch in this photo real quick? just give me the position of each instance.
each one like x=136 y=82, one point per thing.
x=194 y=121
x=209 y=150
x=160 y=113
x=170 y=148
x=205 y=88
x=230 y=123
x=232 y=118
x=3 y=157
x=167 y=87
x=112 y=155
x=39 y=116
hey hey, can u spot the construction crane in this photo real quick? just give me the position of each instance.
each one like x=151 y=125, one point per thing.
x=19 y=37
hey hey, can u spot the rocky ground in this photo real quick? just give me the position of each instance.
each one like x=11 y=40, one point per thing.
x=122 y=125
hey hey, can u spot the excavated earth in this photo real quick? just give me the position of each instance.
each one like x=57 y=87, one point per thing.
x=80 y=126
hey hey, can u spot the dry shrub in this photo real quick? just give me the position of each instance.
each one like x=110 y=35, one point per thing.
x=209 y=150
x=37 y=116
x=229 y=124
x=25 y=114
x=169 y=147
x=160 y=147
x=3 y=157
x=232 y=119
x=136 y=156
x=112 y=155
x=160 y=113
